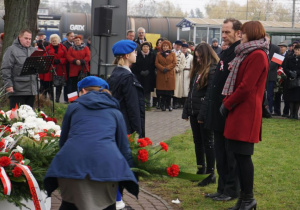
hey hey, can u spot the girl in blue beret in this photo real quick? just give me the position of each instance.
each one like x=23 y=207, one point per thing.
x=126 y=88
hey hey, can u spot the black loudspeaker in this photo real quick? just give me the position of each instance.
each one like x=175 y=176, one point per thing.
x=102 y=21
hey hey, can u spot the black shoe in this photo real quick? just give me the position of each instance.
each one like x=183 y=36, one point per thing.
x=208 y=180
x=213 y=195
x=238 y=204
x=170 y=109
x=57 y=100
x=248 y=203
x=285 y=115
x=163 y=108
x=223 y=198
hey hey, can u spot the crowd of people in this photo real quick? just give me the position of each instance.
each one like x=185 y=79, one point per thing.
x=223 y=91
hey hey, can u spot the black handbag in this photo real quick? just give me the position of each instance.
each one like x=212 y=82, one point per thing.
x=82 y=74
x=58 y=80
x=293 y=83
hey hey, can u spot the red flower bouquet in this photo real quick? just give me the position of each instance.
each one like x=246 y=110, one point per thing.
x=173 y=170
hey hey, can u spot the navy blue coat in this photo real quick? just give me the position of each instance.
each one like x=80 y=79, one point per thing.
x=128 y=90
x=93 y=142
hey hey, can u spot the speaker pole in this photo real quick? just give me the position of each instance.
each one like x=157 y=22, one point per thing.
x=99 y=59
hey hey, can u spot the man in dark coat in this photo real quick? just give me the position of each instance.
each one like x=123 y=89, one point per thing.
x=272 y=75
x=228 y=185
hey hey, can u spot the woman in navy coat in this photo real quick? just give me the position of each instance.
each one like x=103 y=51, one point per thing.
x=94 y=156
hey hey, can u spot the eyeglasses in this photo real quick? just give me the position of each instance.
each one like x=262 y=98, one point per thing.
x=141 y=32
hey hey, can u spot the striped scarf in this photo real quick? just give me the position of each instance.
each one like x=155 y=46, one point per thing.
x=242 y=51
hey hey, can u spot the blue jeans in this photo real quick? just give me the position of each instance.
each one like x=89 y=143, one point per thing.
x=270 y=95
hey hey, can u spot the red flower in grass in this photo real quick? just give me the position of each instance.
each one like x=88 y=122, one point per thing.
x=42 y=134
x=142 y=143
x=43 y=115
x=17 y=172
x=149 y=142
x=4 y=161
x=1 y=145
x=143 y=155
x=173 y=170
x=164 y=146
x=18 y=157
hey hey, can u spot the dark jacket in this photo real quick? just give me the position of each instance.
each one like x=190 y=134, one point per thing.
x=273 y=67
x=195 y=105
x=128 y=90
x=93 y=142
x=214 y=97
x=217 y=49
x=291 y=63
x=143 y=64
x=12 y=63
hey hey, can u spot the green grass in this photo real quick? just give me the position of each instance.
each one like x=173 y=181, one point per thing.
x=276 y=162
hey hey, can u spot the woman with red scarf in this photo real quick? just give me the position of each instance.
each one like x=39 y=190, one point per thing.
x=58 y=65
x=79 y=57
x=244 y=91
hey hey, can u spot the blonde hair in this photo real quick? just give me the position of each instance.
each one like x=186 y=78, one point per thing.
x=96 y=88
x=55 y=36
x=119 y=60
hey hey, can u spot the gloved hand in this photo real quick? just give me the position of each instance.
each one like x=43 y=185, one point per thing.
x=293 y=74
x=223 y=111
x=144 y=73
x=56 y=61
x=165 y=70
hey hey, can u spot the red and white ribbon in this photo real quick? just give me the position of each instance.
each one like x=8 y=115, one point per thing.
x=5 y=181
x=34 y=188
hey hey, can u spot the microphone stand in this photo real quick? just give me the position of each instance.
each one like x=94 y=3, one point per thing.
x=52 y=82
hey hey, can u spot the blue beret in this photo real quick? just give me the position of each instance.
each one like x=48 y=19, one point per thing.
x=123 y=47
x=92 y=81
x=185 y=45
x=178 y=42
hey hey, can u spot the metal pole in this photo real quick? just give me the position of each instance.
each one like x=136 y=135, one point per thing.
x=293 y=15
x=247 y=11
x=99 y=58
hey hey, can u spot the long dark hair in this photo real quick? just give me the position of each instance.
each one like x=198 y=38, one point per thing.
x=207 y=58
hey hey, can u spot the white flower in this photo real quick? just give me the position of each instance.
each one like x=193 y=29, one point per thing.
x=57 y=133
x=46 y=141
x=20 y=149
x=37 y=137
x=9 y=139
x=53 y=140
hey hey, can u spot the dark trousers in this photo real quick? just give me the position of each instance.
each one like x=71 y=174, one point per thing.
x=294 y=106
x=277 y=105
x=245 y=172
x=270 y=95
x=166 y=100
x=228 y=183
x=204 y=145
x=46 y=88
x=21 y=100
x=72 y=84
x=66 y=93
x=70 y=206
x=147 y=98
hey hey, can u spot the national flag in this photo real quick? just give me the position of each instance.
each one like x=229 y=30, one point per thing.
x=277 y=58
x=72 y=96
